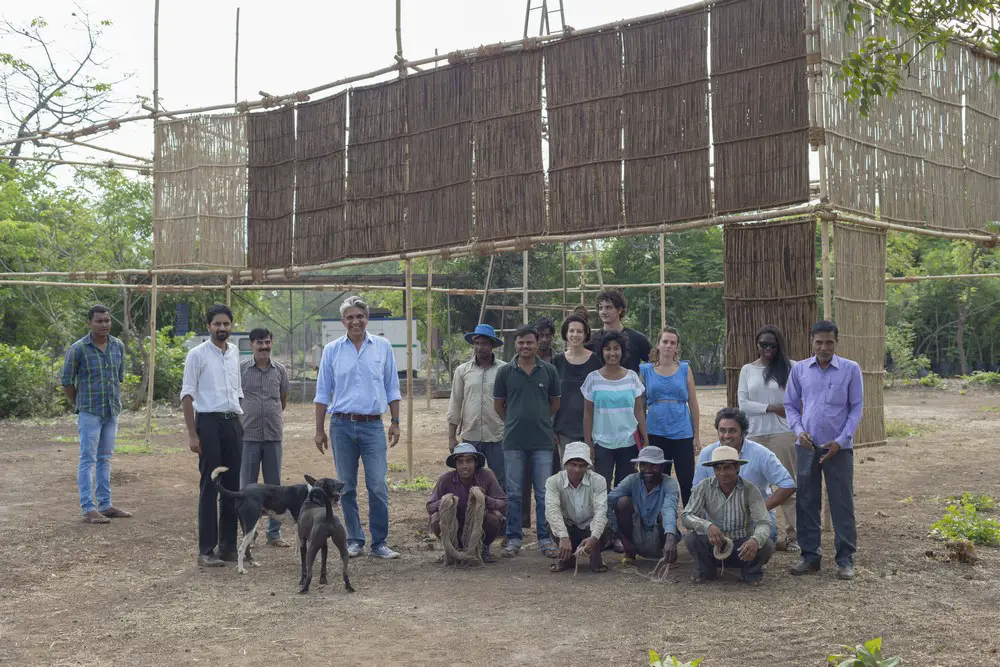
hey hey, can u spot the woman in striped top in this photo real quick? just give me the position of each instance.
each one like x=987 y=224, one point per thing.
x=613 y=411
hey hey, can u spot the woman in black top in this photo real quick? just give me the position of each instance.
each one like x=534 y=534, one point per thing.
x=574 y=365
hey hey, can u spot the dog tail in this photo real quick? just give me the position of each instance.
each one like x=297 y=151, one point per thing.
x=223 y=490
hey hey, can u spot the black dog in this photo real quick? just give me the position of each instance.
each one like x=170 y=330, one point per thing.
x=274 y=500
x=317 y=523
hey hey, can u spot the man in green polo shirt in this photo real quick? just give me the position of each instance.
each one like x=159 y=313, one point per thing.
x=526 y=395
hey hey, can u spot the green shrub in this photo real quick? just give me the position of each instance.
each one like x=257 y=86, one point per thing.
x=170 y=356
x=867 y=655
x=29 y=383
x=930 y=380
x=963 y=522
x=981 y=501
x=130 y=389
x=419 y=483
x=899 y=343
x=669 y=661
x=984 y=377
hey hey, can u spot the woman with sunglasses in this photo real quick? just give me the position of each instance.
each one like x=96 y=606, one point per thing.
x=762 y=397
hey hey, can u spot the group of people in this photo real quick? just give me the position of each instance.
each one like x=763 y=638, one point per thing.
x=595 y=431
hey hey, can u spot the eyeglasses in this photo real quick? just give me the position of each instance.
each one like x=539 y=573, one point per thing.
x=764 y=345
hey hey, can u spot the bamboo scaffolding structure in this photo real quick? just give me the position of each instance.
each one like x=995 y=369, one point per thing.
x=409 y=369
x=107 y=164
x=430 y=329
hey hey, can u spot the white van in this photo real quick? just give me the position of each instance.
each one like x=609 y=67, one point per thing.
x=393 y=328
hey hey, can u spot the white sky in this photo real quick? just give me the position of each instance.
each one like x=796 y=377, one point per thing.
x=284 y=46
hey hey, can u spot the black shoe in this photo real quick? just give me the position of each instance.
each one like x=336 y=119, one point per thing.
x=209 y=560
x=805 y=567
x=228 y=556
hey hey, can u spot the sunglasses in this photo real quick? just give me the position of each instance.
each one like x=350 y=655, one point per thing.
x=764 y=345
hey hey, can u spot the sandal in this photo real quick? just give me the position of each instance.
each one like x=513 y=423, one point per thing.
x=628 y=561
x=550 y=551
x=510 y=551
x=560 y=565
x=599 y=569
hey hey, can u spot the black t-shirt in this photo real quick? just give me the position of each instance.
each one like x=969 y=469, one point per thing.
x=638 y=348
x=569 y=420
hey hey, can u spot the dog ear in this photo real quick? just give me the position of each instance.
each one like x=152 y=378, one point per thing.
x=310 y=480
x=338 y=486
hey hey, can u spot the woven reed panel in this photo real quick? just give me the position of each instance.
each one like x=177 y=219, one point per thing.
x=376 y=199
x=982 y=141
x=859 y=306
x=271 y=159
x=760 y=104
x=200 y=192
x=510 y=184
x=667 y=175
x=439 y=117
x=319 y=232
x=583 y=78
x=769 y=278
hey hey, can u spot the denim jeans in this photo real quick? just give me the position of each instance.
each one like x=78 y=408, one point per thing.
x=493 y=451
x=97 y=444
x=266 y=454
x=541 y=467
x=351 y=441
x=839 y=474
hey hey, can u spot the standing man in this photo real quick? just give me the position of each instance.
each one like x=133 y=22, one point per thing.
x=546 y=329
x=210 y=396
x=526 y=395
x=823 y=404
x=471 y=416
x=357 y=382
x=91 y=379
x=265 y=395
x=611 y=307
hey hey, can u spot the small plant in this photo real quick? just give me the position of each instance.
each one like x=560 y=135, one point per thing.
x=981 y=501
x=669 y=661
x=868 y=654
x=900 y=429
x=397 y=467
x=420 y=483
x=962 y=522
x=133 y=449
x=984 y=377
x=930 y=380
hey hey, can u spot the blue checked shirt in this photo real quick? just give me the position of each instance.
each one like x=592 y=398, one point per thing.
x=96 y=375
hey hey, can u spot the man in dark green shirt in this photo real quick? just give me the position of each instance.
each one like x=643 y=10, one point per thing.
x=526 y=395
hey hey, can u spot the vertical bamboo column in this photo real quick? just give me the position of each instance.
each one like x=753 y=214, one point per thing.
x=663 y=289
x=430 y=329
x=565 y=298
x=824 y=228
x=151 y=374
x=236 y=61
x=229 y=293
x=409 y=369
x=524 y=287
x=152 y=360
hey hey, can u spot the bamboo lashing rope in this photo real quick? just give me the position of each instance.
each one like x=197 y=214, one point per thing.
x=471 y=549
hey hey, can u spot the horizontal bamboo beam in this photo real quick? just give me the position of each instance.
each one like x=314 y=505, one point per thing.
x=881 y=224
x=107 y=164
x=97 y=148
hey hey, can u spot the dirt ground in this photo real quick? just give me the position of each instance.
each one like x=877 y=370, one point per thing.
x=130 y=593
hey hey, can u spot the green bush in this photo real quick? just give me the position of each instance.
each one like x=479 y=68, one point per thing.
x=669 y=661
x=867 y=655
x=930 y=380
x=981 y=501
x=29 y=383
x=984 y=377
x=170 y=356
x=963 y=522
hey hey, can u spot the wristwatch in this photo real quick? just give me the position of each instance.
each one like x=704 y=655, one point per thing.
x=394 y=420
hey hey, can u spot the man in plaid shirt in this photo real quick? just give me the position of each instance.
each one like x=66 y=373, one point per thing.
x=91 y=378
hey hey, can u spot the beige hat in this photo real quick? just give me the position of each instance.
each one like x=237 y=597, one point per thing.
x=577 y=450
x=723 y=454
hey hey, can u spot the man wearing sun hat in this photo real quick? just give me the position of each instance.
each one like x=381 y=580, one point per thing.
x=576 y=509
x=471 y=415
x=727 y=521
x=468 y=474
x=643 y=509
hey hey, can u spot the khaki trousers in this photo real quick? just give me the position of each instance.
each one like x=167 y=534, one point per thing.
x=783 y=446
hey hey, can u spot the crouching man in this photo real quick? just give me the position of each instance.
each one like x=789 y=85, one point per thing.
x=643 y=510
x=727 y=522
x=467 y=507
x=576 y=508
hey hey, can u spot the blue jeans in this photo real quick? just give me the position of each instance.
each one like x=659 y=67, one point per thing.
x=839 y=475
x=351 y=441
x=493 y=451
x=264 y=454
x=97 y=444
x=514 y=461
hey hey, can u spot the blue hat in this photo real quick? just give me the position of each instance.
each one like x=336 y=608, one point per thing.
x=465 y=448
x=484 y=330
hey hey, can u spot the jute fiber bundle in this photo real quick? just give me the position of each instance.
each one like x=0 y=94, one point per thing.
x=471 y=548
x=319 y=234
x=760 y=104
x=666 y=120
x=770 y=278
x=200 y=192
x=271 y=159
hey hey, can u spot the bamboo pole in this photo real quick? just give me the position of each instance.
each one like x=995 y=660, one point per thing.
x=107 y=164
x=827 y=283
x=486 y=291
x=663 y=287
x=102 y=149
x=229 y=293
x=881 y=224
x=236 y=61
x=565 y=295
x=409 y=369
x=430 y=329
x=524 y=287
x=151 y=376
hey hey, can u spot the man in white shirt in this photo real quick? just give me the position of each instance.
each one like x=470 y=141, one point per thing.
x=576 y=509
x=210 y=396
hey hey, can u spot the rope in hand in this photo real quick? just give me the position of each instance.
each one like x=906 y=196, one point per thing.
x=724 y=552
x=581 y=551
x=472 y=533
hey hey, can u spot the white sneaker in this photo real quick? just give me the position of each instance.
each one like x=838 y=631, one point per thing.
x=382 y=551
x=354 y=550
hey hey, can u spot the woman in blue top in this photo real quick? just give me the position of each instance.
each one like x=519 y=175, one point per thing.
x=672 y=408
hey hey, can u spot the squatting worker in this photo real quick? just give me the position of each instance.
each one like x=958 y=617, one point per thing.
x=357 y=382
x=210 y=396
x=265 y=396
x=91 y=379
x=823 y=402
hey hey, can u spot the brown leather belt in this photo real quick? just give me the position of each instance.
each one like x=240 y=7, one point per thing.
x=357 y=418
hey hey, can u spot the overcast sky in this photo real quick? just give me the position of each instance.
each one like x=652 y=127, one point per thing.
x=284 y=46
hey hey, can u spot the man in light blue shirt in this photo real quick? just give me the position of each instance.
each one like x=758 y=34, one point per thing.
x=643 y=509
x=763 y=469
x=357 y=382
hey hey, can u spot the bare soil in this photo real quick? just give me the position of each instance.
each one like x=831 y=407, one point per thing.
x=130 y=593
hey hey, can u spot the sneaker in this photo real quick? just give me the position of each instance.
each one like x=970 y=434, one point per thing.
x=845 y=572
x=384 y=552
x=354 y=550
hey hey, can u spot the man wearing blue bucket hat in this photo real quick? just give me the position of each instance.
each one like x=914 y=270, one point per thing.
x=471 y=415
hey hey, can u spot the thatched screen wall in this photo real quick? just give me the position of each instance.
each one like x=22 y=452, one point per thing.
x=376 y=198
x=982 y=134
x=860 y=315
x=200 y=192
x=271 y=188
x=666 y=120
x=510 y=185
x=770 y=278
x=760 y=104
x=439 y=121
x=319 y=180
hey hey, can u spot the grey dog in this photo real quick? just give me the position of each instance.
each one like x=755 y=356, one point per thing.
x=317 y=523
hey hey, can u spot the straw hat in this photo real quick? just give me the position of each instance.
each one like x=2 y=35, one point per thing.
x=723 y=454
